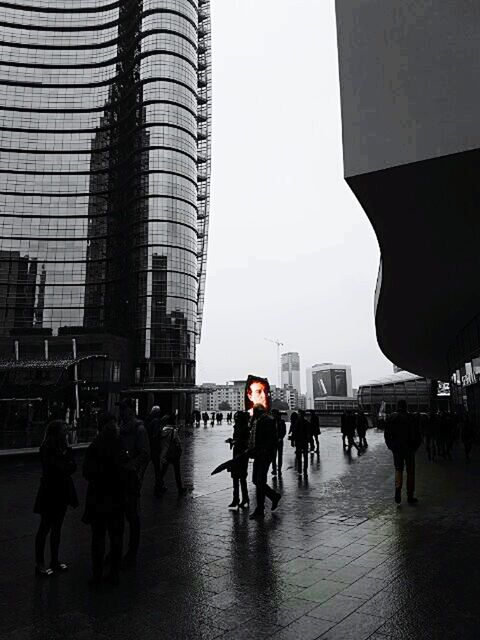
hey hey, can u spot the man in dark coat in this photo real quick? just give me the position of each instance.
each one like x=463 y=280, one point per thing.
x=104 y=470
x=281 y=433
x=262 y=446
x=349 y=428
x=402 y=437
x=302 y=435
x=134 y=439
x=362 y=426
x=154 y=425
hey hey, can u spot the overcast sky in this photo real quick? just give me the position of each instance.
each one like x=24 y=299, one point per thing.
x=291 y=252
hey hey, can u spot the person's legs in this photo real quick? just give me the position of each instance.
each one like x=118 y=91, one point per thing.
x=243 y=484
x=410 y=465
x=99 y=529
x=298 y=456
x=55 y=535
x=41 y=538
x=317 y=444
x=280 y=456
x=274 y=463
x=399 y=462
x=133 y=518
x=305 y=459
x=157 y=467
x=260 y=480
x=236 y=490
x=178 y=475
x=115 y=526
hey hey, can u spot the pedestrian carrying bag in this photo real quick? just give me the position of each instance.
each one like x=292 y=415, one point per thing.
x=174 y=450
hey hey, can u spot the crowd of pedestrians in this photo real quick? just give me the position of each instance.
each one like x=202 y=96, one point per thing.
x=115 y=463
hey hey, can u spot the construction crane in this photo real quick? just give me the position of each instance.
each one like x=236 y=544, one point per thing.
x=279 y=366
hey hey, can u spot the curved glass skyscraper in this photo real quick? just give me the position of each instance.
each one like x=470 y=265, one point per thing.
x=105 y=118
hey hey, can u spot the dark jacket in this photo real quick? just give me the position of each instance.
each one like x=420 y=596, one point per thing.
x=362 y=424
x=134 y=439
x=315 y=425
x=265 y=438
x=241 y=434
x=56 y=491
x=402 y=433
x=301 y=432
x=104 y=469
x=281 y=428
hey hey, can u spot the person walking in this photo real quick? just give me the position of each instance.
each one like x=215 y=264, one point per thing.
x=343 y=428
x=154 y=425
x=134 y=439
x=281 y=428
x=170 y=454
x=212 y=423
x=239 y=445
x=315 y=429
x=55 y=494
x=262 y=445
x=301 y=435
x=362 y=426
x=104 y=470
x=402 y=437
x=349 y=429
x=205 y=419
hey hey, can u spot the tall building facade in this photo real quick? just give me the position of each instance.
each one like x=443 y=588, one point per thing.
x=328 y=380
x=105 y=120
x=290 y=363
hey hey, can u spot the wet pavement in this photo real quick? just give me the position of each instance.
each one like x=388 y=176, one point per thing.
x=337 y=560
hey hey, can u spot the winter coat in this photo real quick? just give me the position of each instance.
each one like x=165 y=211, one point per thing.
x=56 y=491
x=168 y=436
x=134 y=439
x=241 y=434
x=315 y=425
x=263 y=438
x=104 y=469
x=402 y=433
x=301 y=433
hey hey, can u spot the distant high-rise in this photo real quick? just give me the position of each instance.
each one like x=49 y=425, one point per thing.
x=104 y=179
x=291 y=370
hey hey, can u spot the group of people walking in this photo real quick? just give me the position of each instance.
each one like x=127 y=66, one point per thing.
x=114 y=467
x=261 y=437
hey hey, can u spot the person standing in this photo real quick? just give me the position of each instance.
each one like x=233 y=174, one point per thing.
x=402 y=437
x=104 y=470
x=170 y=453
x=154 y=425
x=55 y=494
x=349 y=430
x=134 y=439
x=362 y=426
x=315 y=429
x=205 y=419
x=262 y=445
x=301 y=435
x=281 y=428
x=239 y=471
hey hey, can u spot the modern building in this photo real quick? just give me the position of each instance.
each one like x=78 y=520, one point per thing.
x=328 y=380
x=411 y=147
x=105 y=120
x=290 y=363
x=212 y=396
x=384 y=393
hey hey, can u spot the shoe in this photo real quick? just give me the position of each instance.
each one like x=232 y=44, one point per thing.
x=245 y=503
x=59 y=567
x=43 y=571
x=412 y=500
x=257 y=515
x=275 y=501
x=234 y=504
x=398 y=496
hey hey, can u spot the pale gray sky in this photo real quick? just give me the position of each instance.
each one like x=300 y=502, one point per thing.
x=291 y=252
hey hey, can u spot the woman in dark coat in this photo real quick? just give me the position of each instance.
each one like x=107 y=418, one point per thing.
x=55 y=494
x=239 y=470
x=104 y=469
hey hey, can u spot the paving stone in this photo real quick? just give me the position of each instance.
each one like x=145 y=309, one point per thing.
x=356 y=626
x=305 y=628
x=336 y=608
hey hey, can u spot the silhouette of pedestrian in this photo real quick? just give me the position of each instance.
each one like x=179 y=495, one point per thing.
x=281 y=427
x=343 y=428
x=154 y=424
x=302 y=436
x=134 y=440
x=315 y=429
x=349 y=431
x=402 y=437
x=55 y=494
x=170 y=454
x=212 y=423
x=262 y=445
x=104 y=470
x=362 y=426
x=205 y=419
x=239 y=470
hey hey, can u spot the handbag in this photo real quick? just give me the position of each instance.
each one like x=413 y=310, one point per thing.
x=174 y=450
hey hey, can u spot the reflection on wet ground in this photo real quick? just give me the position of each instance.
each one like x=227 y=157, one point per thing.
x=338 y=559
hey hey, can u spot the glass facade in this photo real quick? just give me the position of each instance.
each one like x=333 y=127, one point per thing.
x=105 y=112
x=386 y=392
